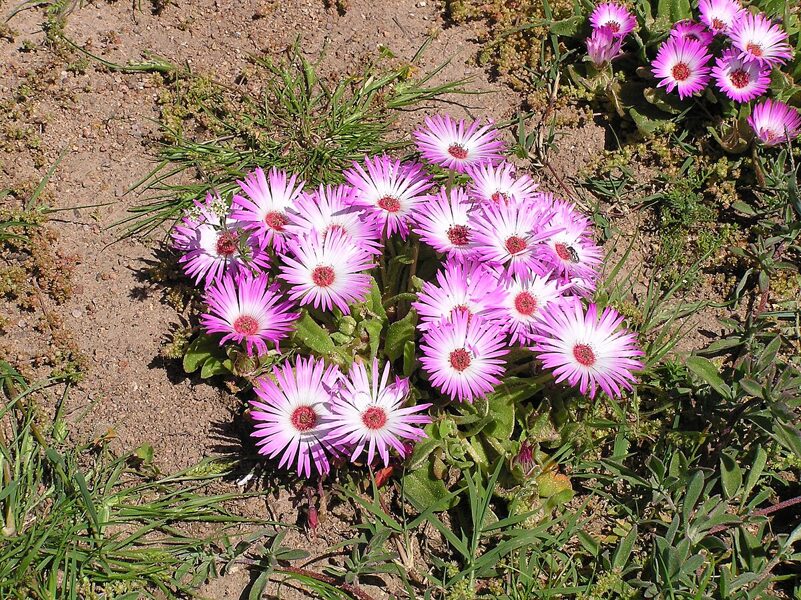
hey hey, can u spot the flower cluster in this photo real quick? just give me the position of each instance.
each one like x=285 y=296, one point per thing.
x=729 y=45
x=517 y=269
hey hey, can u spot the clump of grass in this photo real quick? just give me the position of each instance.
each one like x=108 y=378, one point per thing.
x=297 y=120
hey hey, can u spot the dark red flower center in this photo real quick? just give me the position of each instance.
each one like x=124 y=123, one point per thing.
x=276 y=220
x=691 y=36
x=335 y=227
x=566 y=252
x=227 y=243
x=463 y=310
x=614 y=26
x=680 y=71
x=389 y=204
x=323 y=276
x=718 y=24
x=526 y=304
x=246 y=325
x=740 y=79
x=459 y=235
x=497 y=197
x=303 y=418
x=754 y=49
x=769 y=135
x=457 y=151
x=374 y=417
x=459 y=359
x=584 y=355
x=515 y=244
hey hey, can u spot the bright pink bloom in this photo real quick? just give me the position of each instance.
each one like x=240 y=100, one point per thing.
x=213 y=243
x=390 y=188
x=571 y=254
x=291 y=412
x=774 y=122
x=719 y=15
x=587 y=350
x=615 y=16
x=444 y=222
x=327 y=272
x=369 y=412
x=248 y=311
x=456 y=145
x=264 y=210
x=682 y=65
x=603 y=46
x=690 y=30
x=758 y=38
x=464 y=357
x=741 y=80
x=496 y=184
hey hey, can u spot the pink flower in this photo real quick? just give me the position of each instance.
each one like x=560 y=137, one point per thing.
x=327 y=271
x=495 y=184
x=615 y=16
x=774 y=122
x=588 y=351
x=369 y=413
x=444 y=222
x=690 y=30
x=603 y=46
x=682 y=65
x=291 y=413
x=264 y=210
x=393 y=190
x=741 y=80
x=719 y=15
x=456 y=145
x=213 y=243
x=247 y=311
x=464 y=357
x=570 y=254
x=758 y=38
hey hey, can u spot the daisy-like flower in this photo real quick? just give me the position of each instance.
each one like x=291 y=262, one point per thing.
x=565 y=215
x=682 y=65
x=333 y=208
x=741 y=80
x=265 y=207
x=456 y=145
x=603 y=46
x=464 y=357
x=615 y=16
x=719 y=15
x=690 y=30
x=326 y=271
x=588 y=350
x=527 y=300
x=369 y=412
x=291 y=413
x=507 y=236
x=571 y=254
x=445 y=224
x=774 y=122
x=496 y=184
x=213 y=243
x=758 y=38
x=462 y=287
x=247 y=310
x=391 y=189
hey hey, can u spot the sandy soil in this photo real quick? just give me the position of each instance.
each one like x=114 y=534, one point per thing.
x=106 y=121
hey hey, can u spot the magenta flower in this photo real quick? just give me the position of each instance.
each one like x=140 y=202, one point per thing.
x=496 y=184
x=564 y=213
x=456 y=145
x=774 y=122
x=719 y=15
x=571 y=254
x=603 y=46
x=507 y=236
x=444 y=223
x=462 y=287
x=369 y=412
x=333 y=208
x=464 y=357
x=588 y=351
x=291 y=412
x=615 y=16
x=741 y=80
x=758 y=38
x=527 y=299
x=265 y=208
x=326 y=271
x=682 y=65
x=213 y=243
x=247 y=311
x=690 y=30
x=391 y=189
